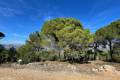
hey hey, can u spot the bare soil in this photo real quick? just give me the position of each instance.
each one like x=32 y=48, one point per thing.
x=56 y=71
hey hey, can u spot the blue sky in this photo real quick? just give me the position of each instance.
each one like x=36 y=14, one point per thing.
x=18 y=18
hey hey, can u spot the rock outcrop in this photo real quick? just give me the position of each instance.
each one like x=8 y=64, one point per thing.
x=105 y=68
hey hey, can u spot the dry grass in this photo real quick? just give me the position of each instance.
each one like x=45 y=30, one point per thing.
x=27 y=74
x=56 y=71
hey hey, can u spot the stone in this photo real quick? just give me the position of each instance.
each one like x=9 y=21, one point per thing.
x=105 y=68
x=109 y=68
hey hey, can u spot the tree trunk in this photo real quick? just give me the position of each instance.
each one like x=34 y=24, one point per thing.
x=111 y=51
x=95 y=51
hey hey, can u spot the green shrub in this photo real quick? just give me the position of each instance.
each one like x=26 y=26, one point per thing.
x=116 y=58
x=104 y=56
x=116 y=52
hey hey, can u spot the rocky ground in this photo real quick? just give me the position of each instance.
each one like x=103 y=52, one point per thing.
x=60 y=71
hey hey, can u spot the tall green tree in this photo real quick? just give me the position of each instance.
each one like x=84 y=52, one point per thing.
x=68 y=32
x=56 y=27
x=78 y=41
x=109 y=33
x=57 y=34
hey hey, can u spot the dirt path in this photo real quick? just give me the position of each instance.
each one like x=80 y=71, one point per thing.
x=27 y=74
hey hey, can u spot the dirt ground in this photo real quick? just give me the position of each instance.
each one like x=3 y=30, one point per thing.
x=31 y=73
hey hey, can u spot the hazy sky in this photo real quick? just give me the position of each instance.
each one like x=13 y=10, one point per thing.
x=18 y=18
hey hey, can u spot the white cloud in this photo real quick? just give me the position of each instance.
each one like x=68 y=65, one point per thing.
x=45 y=18
x=19 y=35
x=12 y=41
x=8 y=11
x=17 y=42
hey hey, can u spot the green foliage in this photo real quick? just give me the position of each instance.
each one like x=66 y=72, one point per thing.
x=116 y=51
x=65 y=39
x=112 y=31
x=10 y=55
x=13 y=55
x=25 y=53
x=67 y=31
x=1 y=48
x=109 y=33
x=28 y=54
x=76 y=36
x=33 y=49
x=4 y=56
x=104 y=56
x=61 y=32
x=52 y=26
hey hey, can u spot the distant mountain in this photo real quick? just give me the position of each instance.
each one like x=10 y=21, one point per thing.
x=7 y=46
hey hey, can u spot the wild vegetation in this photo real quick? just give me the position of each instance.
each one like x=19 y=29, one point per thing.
x=65 y=39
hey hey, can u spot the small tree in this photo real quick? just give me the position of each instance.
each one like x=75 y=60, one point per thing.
x=12 y=54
